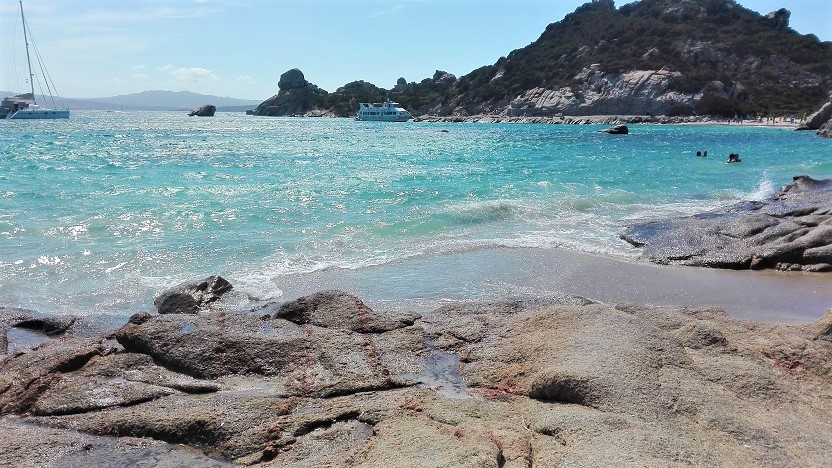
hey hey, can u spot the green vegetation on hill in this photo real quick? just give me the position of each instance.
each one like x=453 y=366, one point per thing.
x=741 y=46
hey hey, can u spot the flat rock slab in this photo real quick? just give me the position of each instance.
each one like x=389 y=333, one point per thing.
x=558 y=381
x=790 y=231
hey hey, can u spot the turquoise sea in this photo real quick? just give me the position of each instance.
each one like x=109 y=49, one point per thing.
x=101 y=212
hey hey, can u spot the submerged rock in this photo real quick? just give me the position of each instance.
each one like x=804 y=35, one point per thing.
x=790 y=231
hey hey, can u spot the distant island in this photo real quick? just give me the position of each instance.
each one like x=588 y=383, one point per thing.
x=153 y=101
x=652 y=57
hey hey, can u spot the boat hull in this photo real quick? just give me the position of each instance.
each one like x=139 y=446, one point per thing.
x=384 y=118
x=32 y=114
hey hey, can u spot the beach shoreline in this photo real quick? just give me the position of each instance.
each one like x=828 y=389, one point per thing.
x=427 y=282
x=780 y=122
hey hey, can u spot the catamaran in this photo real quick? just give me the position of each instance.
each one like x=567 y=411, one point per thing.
x=24 y=106
x=384 y=112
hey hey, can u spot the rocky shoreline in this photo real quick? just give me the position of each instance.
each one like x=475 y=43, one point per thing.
x=324 y=380
x=790 y=231
x=571 y=120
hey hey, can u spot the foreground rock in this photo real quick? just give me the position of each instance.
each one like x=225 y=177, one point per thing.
x=208 y=110
x=327 y=381
x=791 y=231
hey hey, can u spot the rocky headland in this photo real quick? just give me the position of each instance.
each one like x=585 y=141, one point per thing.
x=324 y=380
x=790 y=231
x=673 y=58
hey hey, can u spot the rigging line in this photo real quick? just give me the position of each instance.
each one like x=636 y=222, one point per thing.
x=50 y=85
x=42 y=72
x=13 y=78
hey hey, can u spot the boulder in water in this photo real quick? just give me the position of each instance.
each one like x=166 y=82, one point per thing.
x=193 y=296
x=617 y=130
x=208 y=110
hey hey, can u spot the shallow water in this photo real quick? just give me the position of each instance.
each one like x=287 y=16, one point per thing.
x=100 y=212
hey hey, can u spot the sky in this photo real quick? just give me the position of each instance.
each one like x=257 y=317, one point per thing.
x=239 y=48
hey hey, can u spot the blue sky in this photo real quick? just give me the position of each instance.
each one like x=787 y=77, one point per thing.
x=239 y=48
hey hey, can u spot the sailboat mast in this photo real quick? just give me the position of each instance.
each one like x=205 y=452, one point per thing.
x=28 y=60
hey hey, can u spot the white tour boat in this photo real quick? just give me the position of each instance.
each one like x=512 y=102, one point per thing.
x=384 y=112
x=23 y=106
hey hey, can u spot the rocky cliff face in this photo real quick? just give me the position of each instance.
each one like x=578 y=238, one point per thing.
x=638 y=92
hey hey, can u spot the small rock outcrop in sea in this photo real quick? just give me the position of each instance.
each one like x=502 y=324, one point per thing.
x=296 y=96
x=548 y=381
x=617 y=130
x=208 y=110
x=192 y=296
x=790 y=231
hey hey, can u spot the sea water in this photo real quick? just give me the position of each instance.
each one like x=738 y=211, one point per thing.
x=101 y=212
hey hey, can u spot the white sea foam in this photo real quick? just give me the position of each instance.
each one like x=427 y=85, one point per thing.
x=765 y=189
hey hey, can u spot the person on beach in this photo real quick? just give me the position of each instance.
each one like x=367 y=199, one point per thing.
x=733 y=158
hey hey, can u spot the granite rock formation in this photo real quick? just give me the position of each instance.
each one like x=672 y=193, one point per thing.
x=192 y=296
x=820 y=120
x=617 y=130
x=533 y=382
x=638 y=92
x=208 y=110
x=790 y=231
x=826 y=130
x=779 y=19
x=296 y=96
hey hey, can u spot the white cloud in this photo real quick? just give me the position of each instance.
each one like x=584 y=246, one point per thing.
x=193 y=75
x=390 y=12
x=139 y=67
x=165 y=67
x=140 y=76
x=110 y=17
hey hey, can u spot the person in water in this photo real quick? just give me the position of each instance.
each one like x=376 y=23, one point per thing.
x=733 y=158
x=698 y=154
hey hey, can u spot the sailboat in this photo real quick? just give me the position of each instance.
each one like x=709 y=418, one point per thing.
x=24 y=106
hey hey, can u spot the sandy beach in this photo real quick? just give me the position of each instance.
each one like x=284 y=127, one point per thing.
x=764 y=296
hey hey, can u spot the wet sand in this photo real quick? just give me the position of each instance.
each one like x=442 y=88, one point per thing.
x=427 y=282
